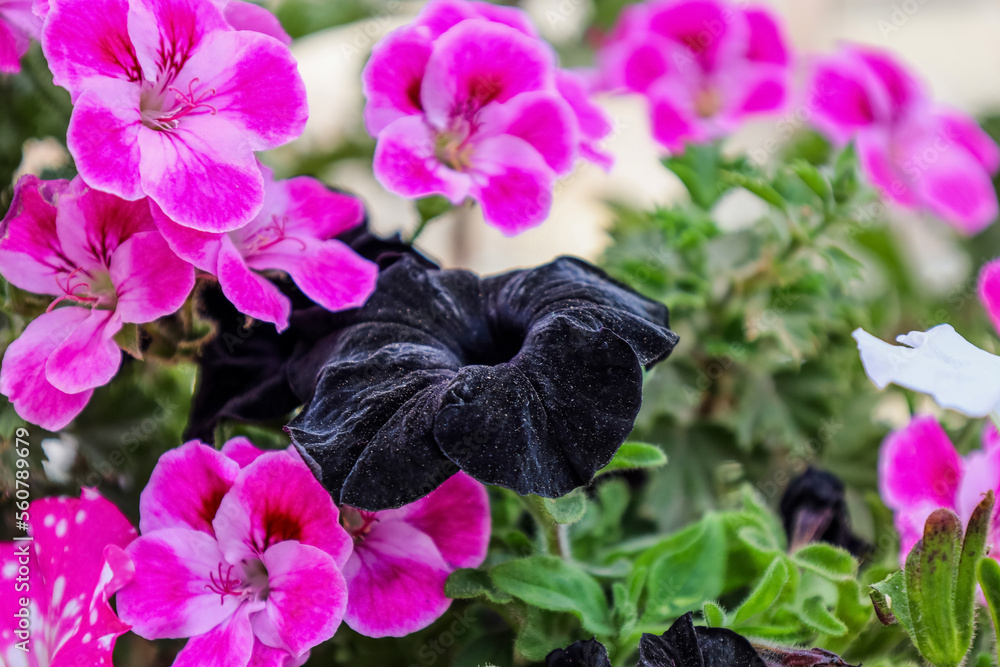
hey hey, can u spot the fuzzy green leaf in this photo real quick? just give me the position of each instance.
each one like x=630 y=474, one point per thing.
x=989 y=579
x=815 y=614
x=466 y=583
x=938 y=563
x=826 y=560
x=714 y=615
x=567 y=509
x=764 y=594
x=632 y=455
x=891 y=601
x=973 y=550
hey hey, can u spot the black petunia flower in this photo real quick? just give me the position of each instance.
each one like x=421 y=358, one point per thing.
x=587 y=653
x=530 y=380
x=685 y=645
x=814 y=509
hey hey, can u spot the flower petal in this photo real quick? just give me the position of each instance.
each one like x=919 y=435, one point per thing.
x=22 y=376
x=955 y=187
x=918 y=464
x=150 y=279
x=251 y=293
x=392 y=78
x=275 y=499
x=171 y=595
x=544 y=120
x=30 y=251
x=242 y=451
x=88 y=357
x=939 y=363
x=313 y=209
x=767 y=43
x=395 y=582
x=229 y=644
x=405 y=163
x=989 y=291
x=966 y=132
x=248 y=16
x=307 y=598
x=199 y=248
x=516 y=193
x=185 y=488
x=168 y=33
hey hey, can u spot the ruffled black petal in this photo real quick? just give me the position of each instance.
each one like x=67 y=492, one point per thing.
x=685 y=645
x=814 y=509
x=588 y=653
x=530 y=380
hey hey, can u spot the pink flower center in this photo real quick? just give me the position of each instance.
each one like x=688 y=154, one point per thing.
x=267 y=236
x=163 y=105
x=254 y=583
x=452 y=147
x=81 y=287
x=707 y=102
x=357 y=523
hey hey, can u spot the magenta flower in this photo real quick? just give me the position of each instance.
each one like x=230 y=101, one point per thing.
x=241 y=551
x=704 y=66
x=103 y=255
x=171 y=102
x=292 y=233
x=67 y=574
x=989 y=291
x=18 y=26
x=248 y=16
x=468 y=102
x=402 y=557
x=920 y=471
x=915 y=152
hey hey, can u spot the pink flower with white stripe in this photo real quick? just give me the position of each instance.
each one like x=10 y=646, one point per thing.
x=468 y=102
x=18 y=26
x=170 y=102
x=104 y=256
x=916 y=152
x=402 y=557
x=292 y=233
x=704 y=66
x=242 y=551
x=920 y=471
x=68 y=572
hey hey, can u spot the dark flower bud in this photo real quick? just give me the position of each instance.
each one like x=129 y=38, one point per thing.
x=587 y=653
x=774 y=656
x=813 y=509
x=685 y=645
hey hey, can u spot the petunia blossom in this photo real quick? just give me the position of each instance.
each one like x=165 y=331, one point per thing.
x=920 y=471
x=18 y=26
x=703 y=66
x=170 y=102
x=99 y=253
x=919 y=154
x=402 y=557
x=67 y=573
x=529 y=380
x=242 y=551
x=294 y=232
x=467 y=102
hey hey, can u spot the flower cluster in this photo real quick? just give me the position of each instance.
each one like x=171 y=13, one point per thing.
x=702 y=65
x=467 y=101
x=919 y=154
x=246 y=554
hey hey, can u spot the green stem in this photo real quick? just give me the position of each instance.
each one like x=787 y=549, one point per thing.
x=420 y=229
x=547 y=527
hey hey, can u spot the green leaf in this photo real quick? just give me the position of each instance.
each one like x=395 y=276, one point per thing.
x=632 y=455
x=567 y=509
x=764 y=594
x=128 y=339
x=938 y=562
x=815 y=614
x=989 y=579
x=891 y=601
x=698 y=168
x=548 y=582
x=683 y=575
x=812 y=177
x=757 y=186
x=845 y=175
x=826 y=560
x=973 y=550
x=714 y=615
x=466 y=583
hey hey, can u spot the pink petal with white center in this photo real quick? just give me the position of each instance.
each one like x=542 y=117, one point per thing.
x=767 y=43
x=104 y=137
x=242 y=451
x=168 y=33
x=478 y=62
x=903 y=91
x=265 y=656
x=202 y=174
x=230 y=644
x=919 y=464
x=199 y=248
x=185 y=488
x=841 y=100
x=306 y=600
x=966 y=132
x=314 y=209
x=84 y=41
x=88 y=357
x=516 y=192
x=391 y=79
x=257 y=86
x=30 y=253
x=173 y=593
x=22 y=375
x=543 y=119
x=955 y=187
x=395 y=582
x=328 y=272
x=275 y=499
x=989 y=290
x=405 y=163
x=439 y=16
x=248 y=16
x=150 y=279
x=251 y=293
x=92 y=225
x=456 y=516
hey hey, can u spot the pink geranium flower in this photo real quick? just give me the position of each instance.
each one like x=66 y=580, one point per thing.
x=171 y=102
x=241 y=551
x=920 y=471
x=917 y=153
x=18 y=26
x=103 y=255
x=67 y=573
x=467 y=102
x=402 y=557
x=703 y=65
x=292 y=233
